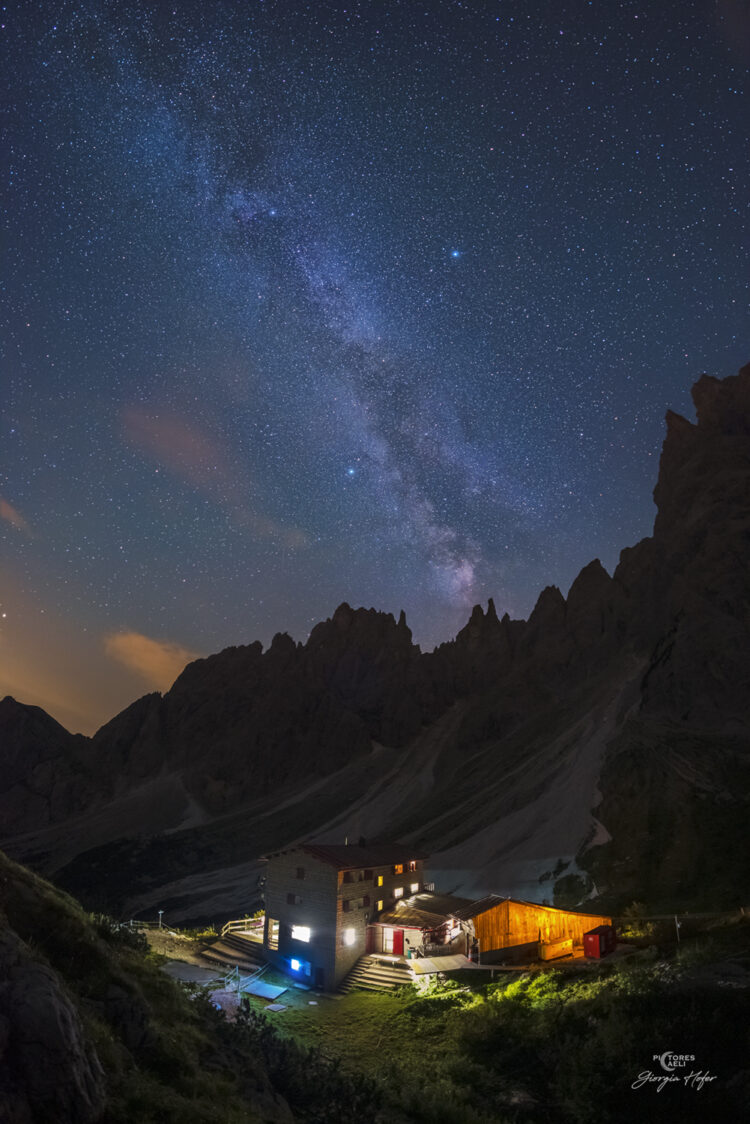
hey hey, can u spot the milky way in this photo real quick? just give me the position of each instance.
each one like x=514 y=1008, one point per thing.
x=382 y=302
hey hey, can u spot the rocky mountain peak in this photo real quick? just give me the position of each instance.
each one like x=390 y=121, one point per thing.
x=481 y=629
x=702 y=465
x=30 y=736
x=669 y=631
x=14 y=713
x=549 y=611
x=282 y=644
x=367 y=630
x=723 y=405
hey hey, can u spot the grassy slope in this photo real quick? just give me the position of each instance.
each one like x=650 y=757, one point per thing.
x=161 y=1054
x=563 y=1046
x=556 y=1046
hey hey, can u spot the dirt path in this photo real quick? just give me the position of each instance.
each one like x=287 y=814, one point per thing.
x=176 y=946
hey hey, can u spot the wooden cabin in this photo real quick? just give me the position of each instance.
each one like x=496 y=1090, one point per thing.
x=506 y=928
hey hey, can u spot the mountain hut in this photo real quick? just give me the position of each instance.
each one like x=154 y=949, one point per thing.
x=510 y=929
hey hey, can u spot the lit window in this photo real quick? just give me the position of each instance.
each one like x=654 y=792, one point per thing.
x=295 y=965
x=272 y=936
x=379 y=906
x=413 y=864
x=300 y=932
x=414 y=887
x=349 y=937
x=380 y=880
x=398 y=892
x=398 y=868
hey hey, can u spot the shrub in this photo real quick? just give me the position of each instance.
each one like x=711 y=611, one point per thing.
x=118 y=932
x=313 y=1085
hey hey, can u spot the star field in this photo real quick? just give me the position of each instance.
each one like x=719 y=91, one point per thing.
x=377 y=302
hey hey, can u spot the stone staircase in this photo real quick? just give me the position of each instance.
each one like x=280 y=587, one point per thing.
x=235 y=951
x=374 y=974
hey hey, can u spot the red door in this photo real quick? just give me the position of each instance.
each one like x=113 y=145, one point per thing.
x=398 y=942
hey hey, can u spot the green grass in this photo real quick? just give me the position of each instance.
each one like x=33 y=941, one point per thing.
x=167 y=1056
x=563 y=1046
x=525 y=1048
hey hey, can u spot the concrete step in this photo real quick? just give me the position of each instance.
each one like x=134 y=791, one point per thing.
x=385 y=977
x=374 y=975
x=221 y=952
x=364 y=985
x=242 y=943
x=395 y=969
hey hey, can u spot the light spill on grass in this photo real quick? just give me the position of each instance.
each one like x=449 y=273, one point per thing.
x=372 y=1032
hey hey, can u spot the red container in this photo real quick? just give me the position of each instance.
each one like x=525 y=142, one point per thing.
x=599 y=942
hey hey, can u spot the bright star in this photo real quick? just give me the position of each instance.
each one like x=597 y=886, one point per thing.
x=455 y=253
x=351 y=471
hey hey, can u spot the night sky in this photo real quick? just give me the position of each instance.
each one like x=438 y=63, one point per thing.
x=380 y=302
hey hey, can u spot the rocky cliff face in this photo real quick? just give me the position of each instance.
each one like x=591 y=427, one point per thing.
x=90 y=1031
x=472 y=750
x=43 y=768
x=49 y=1069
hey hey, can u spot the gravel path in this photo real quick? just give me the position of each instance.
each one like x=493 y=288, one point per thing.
x=176 y=946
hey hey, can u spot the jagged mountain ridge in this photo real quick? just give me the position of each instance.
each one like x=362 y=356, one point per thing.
x=488 y=750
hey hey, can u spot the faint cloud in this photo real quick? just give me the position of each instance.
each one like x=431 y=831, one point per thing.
x=158 y=662
x=14 y=517
x=261 y=527
x=183 y=448
x=193 y=454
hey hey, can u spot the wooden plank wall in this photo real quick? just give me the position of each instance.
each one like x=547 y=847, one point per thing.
x=510 y=923
x=491 y=928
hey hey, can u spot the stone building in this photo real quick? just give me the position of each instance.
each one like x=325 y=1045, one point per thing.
x=321 y=898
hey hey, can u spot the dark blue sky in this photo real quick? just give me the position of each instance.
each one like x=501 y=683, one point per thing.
x=382 y=302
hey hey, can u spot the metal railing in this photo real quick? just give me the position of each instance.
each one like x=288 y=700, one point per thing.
x=235 y=981
x=249 y=925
